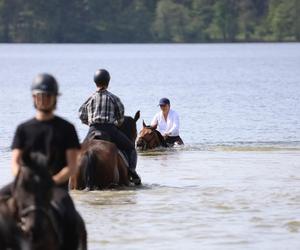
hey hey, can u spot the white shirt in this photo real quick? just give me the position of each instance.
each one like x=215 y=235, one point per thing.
x=170 y=126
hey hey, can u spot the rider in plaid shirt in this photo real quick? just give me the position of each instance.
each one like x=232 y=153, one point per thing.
x=104 y=111
x=103 y=108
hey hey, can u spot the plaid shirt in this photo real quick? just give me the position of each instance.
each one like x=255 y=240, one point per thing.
x=102 y=107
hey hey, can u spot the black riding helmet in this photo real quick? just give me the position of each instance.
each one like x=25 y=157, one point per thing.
x=101 y=77
x=44 y=83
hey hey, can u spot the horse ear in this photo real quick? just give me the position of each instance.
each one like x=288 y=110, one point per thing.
x=144 y=124
x=137 y=115
x=155 y=126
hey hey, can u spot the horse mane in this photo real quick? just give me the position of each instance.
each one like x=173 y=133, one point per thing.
x=128 y=127
x=36 y=163
x=161 y=138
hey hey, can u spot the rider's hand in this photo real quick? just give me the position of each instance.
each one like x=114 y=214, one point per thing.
x=166 y=135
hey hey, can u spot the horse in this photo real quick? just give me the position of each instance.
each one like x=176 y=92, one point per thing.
x=101 y=165
x=150 y=138
x=11 y=236
x=41 y=219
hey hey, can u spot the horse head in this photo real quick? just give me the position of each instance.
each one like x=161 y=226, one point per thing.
x=32 y=192
x=149 y=138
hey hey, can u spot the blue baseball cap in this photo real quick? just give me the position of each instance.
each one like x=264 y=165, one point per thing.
x=164 y=101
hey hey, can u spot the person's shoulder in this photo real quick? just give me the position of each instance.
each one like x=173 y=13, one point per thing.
x=112 y=95
x=27 y=123
x=62 y=121
x=92 y=96
x=159 y=113
x=173 y=112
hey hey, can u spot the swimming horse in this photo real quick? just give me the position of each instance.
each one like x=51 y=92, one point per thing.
x=150 y=138
x=38 y=216
x=101 y=164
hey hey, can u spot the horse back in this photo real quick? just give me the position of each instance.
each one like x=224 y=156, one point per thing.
x=98 y=166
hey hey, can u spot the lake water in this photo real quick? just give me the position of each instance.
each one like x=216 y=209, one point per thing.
x=235 y=184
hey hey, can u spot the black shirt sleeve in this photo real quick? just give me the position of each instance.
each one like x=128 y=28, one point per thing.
x=18 y=140
x=72 y=138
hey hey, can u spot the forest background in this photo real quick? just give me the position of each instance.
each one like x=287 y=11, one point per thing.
x=149 y=21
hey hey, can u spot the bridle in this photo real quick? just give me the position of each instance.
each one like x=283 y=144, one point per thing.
x=24 y=213
x=147 y=144
x=47 y=212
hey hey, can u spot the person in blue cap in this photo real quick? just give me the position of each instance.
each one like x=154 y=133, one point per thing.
x=167 y=123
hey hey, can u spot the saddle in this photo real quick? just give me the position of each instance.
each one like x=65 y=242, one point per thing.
x=100 y=135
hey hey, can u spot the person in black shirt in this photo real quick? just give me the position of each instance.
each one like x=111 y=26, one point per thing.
x=48 y=134
x=53 y=137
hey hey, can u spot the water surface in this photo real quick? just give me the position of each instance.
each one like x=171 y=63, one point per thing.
x=235 y=185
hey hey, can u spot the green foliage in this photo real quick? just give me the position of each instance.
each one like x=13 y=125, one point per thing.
x=129 y=21
x=171 y=23
x=282 y=18
x=225 y=24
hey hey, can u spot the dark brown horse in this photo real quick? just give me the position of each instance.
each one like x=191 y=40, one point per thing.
x=150 y=138
x=100 y=163
x=39 y=217
x=11 y=236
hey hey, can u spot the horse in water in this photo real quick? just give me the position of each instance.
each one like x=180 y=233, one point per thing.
x=11 y=236
x=150 y=138
x=101 y=165
x=40 y=218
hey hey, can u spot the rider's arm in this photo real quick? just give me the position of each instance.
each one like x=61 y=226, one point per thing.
x=83 y=112
x=63 y=175
x=16 y=160
x=175 y=126
x=119 y=111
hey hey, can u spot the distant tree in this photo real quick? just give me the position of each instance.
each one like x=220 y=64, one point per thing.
x=247 y=18
x=202 y=14
x=297 y=21
x=8 y=12
x=121 y=20
x=65 y=21
x=135 y=21
x=282 y=18
x=225 y=23
x=171 y=22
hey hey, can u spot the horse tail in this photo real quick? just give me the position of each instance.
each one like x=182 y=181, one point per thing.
x=90 y=161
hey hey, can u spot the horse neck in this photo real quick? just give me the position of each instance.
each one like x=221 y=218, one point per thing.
x=129 y=128
x=39 y=196
x=161 y=139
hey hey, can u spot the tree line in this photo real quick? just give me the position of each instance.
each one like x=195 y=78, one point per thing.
x=147 y=21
